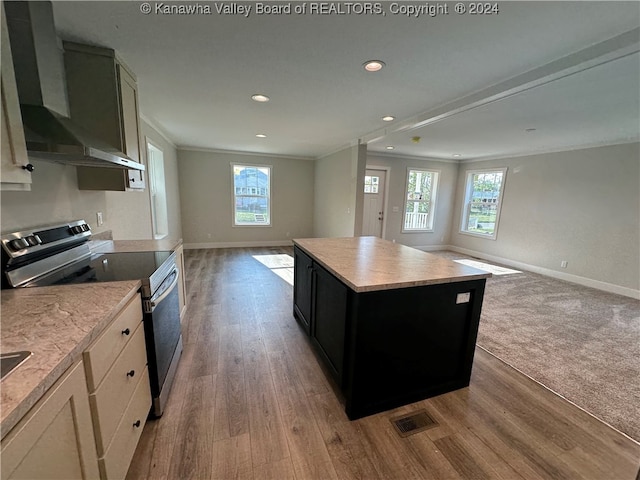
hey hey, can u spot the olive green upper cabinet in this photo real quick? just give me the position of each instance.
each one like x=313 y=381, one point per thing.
x=103 y=98
x=15 y=173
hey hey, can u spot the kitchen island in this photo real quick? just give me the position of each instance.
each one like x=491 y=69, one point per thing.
x=392 y=324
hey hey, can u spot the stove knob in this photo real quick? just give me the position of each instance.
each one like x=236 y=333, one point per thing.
x=77 y=229
x=31 y=240
x=85 y=227
x=18 y=244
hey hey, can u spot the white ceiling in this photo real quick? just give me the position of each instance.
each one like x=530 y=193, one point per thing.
x=467 y=85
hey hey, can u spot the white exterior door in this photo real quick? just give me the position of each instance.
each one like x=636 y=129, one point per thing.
x=373 y=217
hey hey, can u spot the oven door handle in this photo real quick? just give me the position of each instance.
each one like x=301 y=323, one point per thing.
x=154 y=302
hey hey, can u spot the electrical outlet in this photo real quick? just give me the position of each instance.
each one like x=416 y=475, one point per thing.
x=463 y=297
x=99 y=218
x=564 y=264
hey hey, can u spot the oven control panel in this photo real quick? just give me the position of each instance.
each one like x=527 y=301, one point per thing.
x=26 y=242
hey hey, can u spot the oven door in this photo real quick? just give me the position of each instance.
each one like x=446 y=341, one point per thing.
x=162 y=331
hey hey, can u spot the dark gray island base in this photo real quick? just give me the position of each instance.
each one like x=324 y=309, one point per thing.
x=390 y=331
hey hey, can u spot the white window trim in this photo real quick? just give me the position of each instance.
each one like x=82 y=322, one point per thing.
x=233 y=197
x=154 y=219
x=434 y=195
x=465 y=205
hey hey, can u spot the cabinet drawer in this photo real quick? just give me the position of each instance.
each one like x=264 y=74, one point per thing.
x=102 y=353
x=109 y=402
x=115 y=463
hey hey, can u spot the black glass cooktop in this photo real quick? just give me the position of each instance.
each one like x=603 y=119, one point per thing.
x=107 y=267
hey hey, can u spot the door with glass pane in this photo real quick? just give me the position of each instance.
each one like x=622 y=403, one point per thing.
x=373 y=217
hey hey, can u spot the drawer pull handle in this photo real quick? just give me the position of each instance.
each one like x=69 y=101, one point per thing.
x=126 y=331
x=131 y=373
x=137 y=424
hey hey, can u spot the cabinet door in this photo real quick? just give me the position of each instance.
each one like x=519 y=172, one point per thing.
x=55 y=439
x=129 y=112
x=302 y=287
x=329 y=320
x=14 y=149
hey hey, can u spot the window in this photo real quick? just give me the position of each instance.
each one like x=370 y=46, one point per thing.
x=483 y=195
x=371 y=184
x=252 y=195
x=419 y=207
x=157 y=190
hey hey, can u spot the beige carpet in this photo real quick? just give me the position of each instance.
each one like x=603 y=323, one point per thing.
x=582 y=343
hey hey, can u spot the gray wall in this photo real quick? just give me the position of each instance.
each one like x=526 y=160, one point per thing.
x=582 y=206
x=207 y=202
x=339 y=193
x=54 y=197
x=397 y=177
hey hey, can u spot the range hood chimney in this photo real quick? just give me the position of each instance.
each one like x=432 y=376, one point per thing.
x=39 y=66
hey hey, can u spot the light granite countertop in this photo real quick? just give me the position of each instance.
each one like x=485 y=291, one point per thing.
x=121 y=246
x=56 y=323
x=369 y=263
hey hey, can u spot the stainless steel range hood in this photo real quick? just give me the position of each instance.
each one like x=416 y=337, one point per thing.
x=38 y=60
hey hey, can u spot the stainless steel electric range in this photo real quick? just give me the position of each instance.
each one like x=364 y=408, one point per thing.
x=60 y=255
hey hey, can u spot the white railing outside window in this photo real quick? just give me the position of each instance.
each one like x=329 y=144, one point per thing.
x=419 y=207
x=416 y=221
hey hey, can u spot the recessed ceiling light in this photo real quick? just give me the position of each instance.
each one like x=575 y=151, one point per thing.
x=457 y=155
x=390 y=147
x=261 y=135
x=373 y=65
x=388 y=118
x=258 y=97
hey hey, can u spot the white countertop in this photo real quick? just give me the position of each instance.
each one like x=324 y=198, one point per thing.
x=370 y=263
x=121 y=246
x=55 y=323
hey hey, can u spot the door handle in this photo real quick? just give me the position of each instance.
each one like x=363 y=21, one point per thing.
x=154 y=302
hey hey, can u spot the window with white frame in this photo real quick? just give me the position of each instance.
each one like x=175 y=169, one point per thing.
x=483 y=196
x=251 y=195
x=157 y=191
x=371 y=184
x=420 y=202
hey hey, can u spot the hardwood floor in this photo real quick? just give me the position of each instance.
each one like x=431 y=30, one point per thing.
x=251 y=401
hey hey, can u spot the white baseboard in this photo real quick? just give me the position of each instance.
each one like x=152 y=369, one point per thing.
x=433 y=248
x=584 y=281
x=257 y=244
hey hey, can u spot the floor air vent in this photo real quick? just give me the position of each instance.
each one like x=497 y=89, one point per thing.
x=413 y=423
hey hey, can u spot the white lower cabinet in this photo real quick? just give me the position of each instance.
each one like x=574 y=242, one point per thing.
x=55 y=438
x=119 y=391
x=87 y=425
x=182 y=286
x=110 y=400
x=116 y=460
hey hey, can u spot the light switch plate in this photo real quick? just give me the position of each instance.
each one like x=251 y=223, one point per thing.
x=463 y=297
